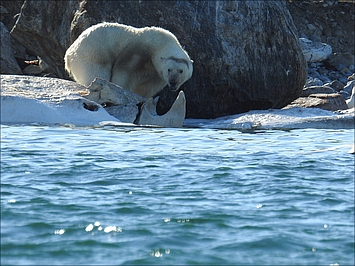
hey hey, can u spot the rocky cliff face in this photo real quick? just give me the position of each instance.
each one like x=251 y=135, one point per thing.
x=327 y=21
x=246 y=53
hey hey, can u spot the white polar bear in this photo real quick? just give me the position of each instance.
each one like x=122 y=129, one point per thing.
x=142 y=60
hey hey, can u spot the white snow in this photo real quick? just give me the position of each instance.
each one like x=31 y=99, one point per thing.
x=291 y=118
x=21 y=110
x=27 y=100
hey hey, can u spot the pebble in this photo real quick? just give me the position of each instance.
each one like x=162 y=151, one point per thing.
x=313 y=82
x=325 y=79
x=336 y=85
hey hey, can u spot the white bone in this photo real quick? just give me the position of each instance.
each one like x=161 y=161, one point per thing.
x=173 y=118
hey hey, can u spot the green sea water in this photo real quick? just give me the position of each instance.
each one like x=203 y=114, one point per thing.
x=131 y=195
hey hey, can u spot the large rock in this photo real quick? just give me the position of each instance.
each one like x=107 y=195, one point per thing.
x=46 y=34
x=9 y=11
x=326 y=21
x=8 y=64
x=241 y=60
x=330 y=102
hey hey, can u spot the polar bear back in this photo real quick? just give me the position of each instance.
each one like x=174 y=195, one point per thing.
x=129 y=56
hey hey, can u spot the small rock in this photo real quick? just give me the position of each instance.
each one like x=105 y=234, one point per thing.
x=344 y=94
x=313 y=73
x=340 y=67
x=313 y=82
x=3 y=10
x=311 y=27
x=336 y=85
x=341 y=60
x=346 y=71
x=32 y=70
x=325 y=79
x=317 y=90
x=315 y=38
x=323 y=71
x=343 y=79
x=315 y=51
x=333 y=75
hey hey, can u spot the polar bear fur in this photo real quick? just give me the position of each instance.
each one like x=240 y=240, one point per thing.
x=142 y=60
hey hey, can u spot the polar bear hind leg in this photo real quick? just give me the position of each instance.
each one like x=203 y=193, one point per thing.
x=84 y=72
x=121 y=78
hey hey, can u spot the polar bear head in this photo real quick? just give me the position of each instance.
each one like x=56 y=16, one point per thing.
x=176 y=71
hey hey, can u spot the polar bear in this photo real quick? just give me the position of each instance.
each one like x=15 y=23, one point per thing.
x=142 y=60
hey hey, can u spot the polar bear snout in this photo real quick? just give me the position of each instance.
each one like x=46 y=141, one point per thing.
x=175 y=71
x=175 y=78
x=173 y=86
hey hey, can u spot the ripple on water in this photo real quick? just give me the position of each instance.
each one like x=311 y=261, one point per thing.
x=170 y=196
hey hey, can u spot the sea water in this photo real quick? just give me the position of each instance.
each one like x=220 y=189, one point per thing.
x=133 y=195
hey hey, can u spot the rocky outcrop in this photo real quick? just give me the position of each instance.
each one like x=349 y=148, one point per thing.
x=326 y=21
x=45 y=34
x=8 y=64
x=240 y=58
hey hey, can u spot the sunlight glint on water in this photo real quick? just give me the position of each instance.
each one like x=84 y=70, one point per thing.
x=176 y=196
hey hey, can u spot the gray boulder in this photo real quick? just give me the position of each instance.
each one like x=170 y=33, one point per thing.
x=317 y=90
x=8 y=64
x=43 y=27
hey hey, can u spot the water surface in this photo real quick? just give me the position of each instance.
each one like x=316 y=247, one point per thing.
x=130 y=195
